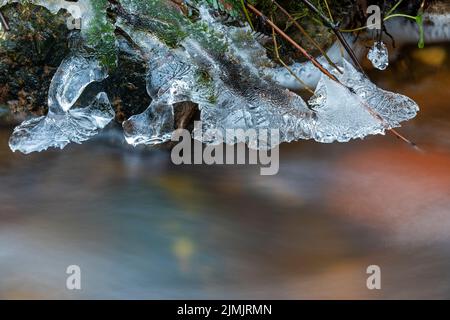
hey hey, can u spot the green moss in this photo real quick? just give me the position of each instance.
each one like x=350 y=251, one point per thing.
x=205 y=81
x=171 y=26
x=100 y=35
x=232 y=7
x=210 y=40
x=161 y=18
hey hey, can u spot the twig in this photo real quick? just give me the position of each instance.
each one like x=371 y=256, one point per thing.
x=247 y=16
x=277 y=54
x=398 y=135
x=4 y=22
x=329 y=11
x=291 y=41
x=326 y=72
x=334 y=27
x=303 y=31
x=394 y=7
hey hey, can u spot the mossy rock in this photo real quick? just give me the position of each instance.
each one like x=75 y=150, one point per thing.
x=30 y=53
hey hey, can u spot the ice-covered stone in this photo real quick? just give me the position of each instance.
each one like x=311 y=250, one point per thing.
x=379 y=55
x=65 y=122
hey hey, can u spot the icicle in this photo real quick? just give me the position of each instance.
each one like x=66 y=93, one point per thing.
x=171 y=79
x=65 y=123
x=379 y=55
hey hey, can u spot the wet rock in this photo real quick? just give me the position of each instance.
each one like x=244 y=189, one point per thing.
x=127 y=90
x=29 y=55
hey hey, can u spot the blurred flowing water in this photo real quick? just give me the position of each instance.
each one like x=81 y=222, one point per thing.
x=141 y=227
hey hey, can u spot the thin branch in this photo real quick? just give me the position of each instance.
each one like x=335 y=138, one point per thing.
x=277 y=54
x=303 y=31
x=326 y=72
x=291 y=41
x=4 y=22
x=247 y=16
x=329 y=11
x=334 y=27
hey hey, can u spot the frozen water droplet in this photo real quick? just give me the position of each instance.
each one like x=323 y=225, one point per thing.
x=379 y=55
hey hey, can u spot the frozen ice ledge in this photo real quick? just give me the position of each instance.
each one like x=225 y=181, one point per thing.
x=65 y=123
x=250 y=94
x=235 y=87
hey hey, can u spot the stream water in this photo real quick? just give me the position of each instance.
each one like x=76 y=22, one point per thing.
x=140 y=227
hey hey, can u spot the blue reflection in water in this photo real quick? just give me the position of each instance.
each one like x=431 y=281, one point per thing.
x=140 y=227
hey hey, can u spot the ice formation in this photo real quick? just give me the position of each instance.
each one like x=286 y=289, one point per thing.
x=379 y=55
x=224 y=70
x=230 y=95
x=306 y=71
x=82 y=9
x=65 y=122
x=356 y=107
x=393 y=108
x=170 y=79
x=242 y=96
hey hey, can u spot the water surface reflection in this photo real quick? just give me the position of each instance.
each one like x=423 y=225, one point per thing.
x=140 y=227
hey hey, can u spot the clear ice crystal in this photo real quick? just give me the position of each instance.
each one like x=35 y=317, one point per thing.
x=65 y=123
x=379 y=55
x=306 y=71
x=155 y=125
x=230 y=95
x=170 y=79
x=253 y=104
x=393 y=108
x=343 y=114
x=340 y=115
x=236 y=93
